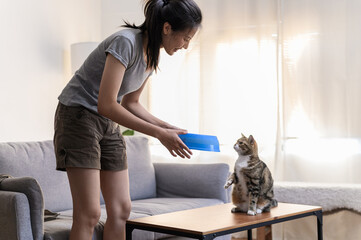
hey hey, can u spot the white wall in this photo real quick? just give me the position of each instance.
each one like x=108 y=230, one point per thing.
x=115 y=11
x=35 y=39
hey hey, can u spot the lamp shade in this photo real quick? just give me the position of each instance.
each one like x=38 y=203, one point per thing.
x=79 y=52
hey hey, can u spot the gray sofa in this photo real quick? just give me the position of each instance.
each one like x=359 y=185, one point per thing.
x=155 y=188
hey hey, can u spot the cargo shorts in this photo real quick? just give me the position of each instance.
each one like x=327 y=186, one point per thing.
x=85 y=139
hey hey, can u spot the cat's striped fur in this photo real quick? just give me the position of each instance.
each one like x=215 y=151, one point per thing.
x=252 y=180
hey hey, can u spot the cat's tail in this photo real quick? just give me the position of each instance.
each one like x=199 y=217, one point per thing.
x=274 y=203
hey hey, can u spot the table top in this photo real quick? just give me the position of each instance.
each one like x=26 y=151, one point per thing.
x=218 y=218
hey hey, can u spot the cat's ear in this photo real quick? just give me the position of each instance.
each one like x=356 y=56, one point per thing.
x=251 y=139
x=243 y=135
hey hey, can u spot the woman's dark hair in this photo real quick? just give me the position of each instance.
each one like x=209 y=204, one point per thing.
x=180 y=14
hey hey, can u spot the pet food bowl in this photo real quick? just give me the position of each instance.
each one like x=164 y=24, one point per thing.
x=200 y=142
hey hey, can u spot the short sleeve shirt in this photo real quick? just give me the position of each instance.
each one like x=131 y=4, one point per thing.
x=125 y=45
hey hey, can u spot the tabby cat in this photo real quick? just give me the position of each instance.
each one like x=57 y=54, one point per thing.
x=253 y=183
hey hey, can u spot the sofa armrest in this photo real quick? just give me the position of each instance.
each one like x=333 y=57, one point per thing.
x=30 y=188
x=192 y=180
x=14 y=216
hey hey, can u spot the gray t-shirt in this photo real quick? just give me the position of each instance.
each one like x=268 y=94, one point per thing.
x=125 y=45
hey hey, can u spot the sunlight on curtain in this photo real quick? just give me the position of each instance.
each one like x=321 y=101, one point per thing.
x=238 y=59
x=321 y=91
x=174 y=90
x=174 y=95
x=287 y=72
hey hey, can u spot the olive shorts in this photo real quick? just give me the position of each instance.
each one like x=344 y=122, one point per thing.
x=85 y=139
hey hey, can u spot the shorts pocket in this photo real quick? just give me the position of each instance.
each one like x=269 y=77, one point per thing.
x=81 y=158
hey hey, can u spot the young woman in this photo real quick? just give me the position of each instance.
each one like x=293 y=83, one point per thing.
x=105 y=92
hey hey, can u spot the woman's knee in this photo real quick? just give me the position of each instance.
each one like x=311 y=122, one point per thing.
x=89 y=217
x=120 y=212
x=126 y=209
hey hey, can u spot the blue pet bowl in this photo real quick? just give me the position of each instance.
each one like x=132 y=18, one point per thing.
x=200 y=142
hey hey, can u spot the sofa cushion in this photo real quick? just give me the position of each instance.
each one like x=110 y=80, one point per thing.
x=141 y=170
x=59 y=229
x=192 y=180
x=37 y=160
x=155 y=206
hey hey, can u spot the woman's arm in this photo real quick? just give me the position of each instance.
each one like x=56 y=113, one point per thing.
x=108 y=106
x=132 y=104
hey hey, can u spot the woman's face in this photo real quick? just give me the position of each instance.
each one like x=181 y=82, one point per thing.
x=172 y=41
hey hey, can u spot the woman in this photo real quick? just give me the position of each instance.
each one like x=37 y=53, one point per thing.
x=105 y=92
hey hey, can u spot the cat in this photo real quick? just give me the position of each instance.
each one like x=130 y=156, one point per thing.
x=253 y=182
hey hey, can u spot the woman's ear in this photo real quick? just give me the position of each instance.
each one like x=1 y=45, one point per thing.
x=167 y=28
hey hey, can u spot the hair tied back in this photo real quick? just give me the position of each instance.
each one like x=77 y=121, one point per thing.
x=165 y=2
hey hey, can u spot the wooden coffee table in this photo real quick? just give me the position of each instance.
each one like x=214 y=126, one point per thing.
x=214 y=221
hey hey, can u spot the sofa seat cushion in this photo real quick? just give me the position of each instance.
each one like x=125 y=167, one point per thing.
x=155 y=206
x=59 y=229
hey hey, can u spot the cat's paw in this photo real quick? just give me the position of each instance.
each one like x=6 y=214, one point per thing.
x=235 y=210
x=259 y=211
x=250 y=212
x=229 y=183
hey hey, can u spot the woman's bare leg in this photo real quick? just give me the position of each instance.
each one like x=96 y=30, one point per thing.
x=85 y=190
x=115 y=189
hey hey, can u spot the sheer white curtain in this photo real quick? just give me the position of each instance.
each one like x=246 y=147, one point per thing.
x=226 y=83
x=286 y=71
x=321 y=63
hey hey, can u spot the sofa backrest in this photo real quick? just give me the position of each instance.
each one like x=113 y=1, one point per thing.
x=37 y=160
x=141 y=170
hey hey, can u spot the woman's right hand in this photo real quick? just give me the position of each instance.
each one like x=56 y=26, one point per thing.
x=170 y=139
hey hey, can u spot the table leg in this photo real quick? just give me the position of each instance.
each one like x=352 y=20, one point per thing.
x=249 y=233
x=319 y=225
x=128 y=232
x=208 y=237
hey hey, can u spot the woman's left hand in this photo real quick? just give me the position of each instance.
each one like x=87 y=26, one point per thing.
x=170 y=139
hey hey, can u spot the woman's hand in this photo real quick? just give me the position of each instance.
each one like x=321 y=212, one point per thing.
x=170 y=139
